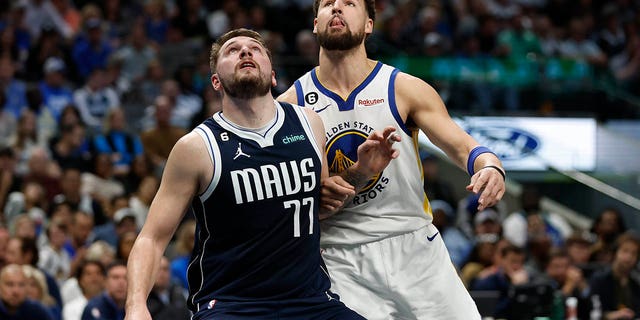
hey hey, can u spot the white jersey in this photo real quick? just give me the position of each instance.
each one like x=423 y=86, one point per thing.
x=392 y=202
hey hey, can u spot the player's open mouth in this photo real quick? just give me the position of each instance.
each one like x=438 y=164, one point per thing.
x=336 y=22
x=247 y=64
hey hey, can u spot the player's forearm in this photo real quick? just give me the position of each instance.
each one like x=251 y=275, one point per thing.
x=356 y=176
x=142 y=268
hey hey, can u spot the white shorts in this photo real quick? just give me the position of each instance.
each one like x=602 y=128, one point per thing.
x=409 y=276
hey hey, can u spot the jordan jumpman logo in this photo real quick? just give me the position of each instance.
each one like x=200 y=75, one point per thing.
x=240 y=153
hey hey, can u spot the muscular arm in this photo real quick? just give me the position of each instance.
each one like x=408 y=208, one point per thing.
x=181 y=180
x=429 y=113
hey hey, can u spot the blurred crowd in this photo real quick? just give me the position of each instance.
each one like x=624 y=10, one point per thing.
x=94 y=94
x=529 y=262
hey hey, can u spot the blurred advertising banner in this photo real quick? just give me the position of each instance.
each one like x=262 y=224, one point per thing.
x=530 y=144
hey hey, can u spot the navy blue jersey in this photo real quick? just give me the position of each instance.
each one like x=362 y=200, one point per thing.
x=258 y=233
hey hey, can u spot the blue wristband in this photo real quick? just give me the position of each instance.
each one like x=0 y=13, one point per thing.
x=473 y=155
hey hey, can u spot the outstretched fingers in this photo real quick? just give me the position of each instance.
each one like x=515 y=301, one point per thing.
x=490 y=185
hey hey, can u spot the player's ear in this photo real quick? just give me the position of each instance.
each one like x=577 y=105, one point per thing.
x=368 y=27
x=315 y=25
x=215 y=82
x=274 y=82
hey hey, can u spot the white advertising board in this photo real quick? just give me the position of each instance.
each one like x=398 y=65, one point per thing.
x=528 y=143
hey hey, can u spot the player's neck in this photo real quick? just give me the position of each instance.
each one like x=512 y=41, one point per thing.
x=249 y=113
x=342 y=71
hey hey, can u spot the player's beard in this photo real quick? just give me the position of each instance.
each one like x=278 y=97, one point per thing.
x=246 y=86
x=342 y=41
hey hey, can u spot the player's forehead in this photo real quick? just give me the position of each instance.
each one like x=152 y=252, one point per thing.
x=240 y=40
x=323 y=2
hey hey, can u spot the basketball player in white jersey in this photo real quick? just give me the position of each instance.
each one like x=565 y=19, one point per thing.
x=385 y=258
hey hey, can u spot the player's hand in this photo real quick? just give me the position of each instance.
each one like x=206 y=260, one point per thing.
x=491 y=186
x=335 y=191
x=377 y=151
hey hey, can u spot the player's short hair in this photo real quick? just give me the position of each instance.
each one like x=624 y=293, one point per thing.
x=369 y=4
x=241 y=32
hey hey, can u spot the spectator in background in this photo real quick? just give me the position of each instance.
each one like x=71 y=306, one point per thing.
x=579 y=247
x=71 y=195
x=167 y=301
x=124 y=220
x=510 y=272
x=46 y=126
x=136 y=56
x=109 y=304
x=158 y=141
x=43 y=170
x=151 y=84
x=79 y=238
x=156 y=21
x=455 y=241
x=95 y=100
x=4 y=240
x=611 y=38
x=608 y=226
x=15 y=98
x=90 y=279
x=487 y=221
x=91 y=50
x=548 y=36
x=55 y=92
x=23 y=227
x=53 y=259
x=14 y=304
x=50 y=44
x=185 y=104
x=100 y=183
x=140 y=200
x=141 y=167
x=435 y=187
x=118 y=18
x=7 y=123
x=25 y=140
x=72 y=149
x=125 y=244
x=24 y=251
x=37 y=290
x=516 y=225
x=568 y=279
x=617 y=288
x=480 y=258
x=578 y=46
x=41 y=14
x=69 y=15
x=9 y=180
x=182 y=250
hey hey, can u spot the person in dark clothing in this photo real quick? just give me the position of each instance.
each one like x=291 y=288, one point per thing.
x=617 y=287
x=167 y=301
x=110 y=304
x=14 y=304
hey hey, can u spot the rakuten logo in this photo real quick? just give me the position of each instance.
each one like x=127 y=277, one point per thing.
x=369 y=102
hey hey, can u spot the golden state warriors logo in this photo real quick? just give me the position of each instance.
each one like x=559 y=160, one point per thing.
x=342 y=152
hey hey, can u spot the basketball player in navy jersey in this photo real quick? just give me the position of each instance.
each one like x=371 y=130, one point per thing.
x=385 y=257
x=252 y=175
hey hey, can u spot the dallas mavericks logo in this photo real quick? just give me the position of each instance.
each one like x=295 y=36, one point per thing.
x=342 y=152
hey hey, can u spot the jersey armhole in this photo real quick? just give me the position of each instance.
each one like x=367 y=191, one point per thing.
x=214 y=155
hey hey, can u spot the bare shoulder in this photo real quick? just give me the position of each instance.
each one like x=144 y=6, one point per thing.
x=415 y=94
x=289 y=96
x=407 y=84
x=190 y=151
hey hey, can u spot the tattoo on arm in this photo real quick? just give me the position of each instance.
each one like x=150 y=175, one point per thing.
x=356 y=179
